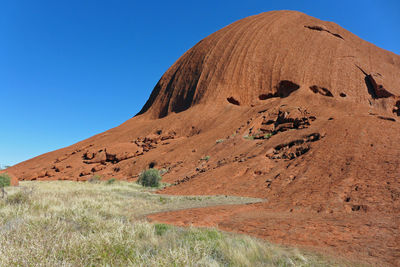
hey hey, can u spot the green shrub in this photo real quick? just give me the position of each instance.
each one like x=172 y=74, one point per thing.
x=206 y=158
x=219 y=141
x=150 y=177
x=268 y=136
x=163 y=200
x=20 y=197
x=5 y=180
x=111 y=181
x=161 y=228
x=248 y=137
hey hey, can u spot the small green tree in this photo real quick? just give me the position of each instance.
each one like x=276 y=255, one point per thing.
x=5 y=180
x=150 y=177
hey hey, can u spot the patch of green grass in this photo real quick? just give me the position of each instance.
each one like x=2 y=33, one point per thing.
x=194 y=198
x=111 y=181
x=206 y=235
x=161 y=228
x=68 y=223
x=206 y=158
x=163 y=200
x=18 y=198
x=248 y=137
x=268 y=135
x=258 y=135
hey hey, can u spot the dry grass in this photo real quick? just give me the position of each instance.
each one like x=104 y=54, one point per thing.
x=65 y=223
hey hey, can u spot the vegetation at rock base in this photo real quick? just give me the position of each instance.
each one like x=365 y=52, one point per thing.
x=5 y=180
x=111 y=181
x=150 y=177
x=66 y=223
x=206 y=158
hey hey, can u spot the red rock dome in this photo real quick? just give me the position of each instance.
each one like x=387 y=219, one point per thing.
x=269 y=55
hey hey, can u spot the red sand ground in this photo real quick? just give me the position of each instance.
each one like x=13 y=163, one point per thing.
x=288 y=108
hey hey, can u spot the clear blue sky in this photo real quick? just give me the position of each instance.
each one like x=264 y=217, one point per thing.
x=70 y=69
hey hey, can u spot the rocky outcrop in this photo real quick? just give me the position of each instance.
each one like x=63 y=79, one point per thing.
x=379 y=91
x=375 y=82
x=270 y=55
x=112 y=154
x=293 y=149
x=277 y=120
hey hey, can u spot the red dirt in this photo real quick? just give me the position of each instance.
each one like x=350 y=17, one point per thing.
x=319 y=108
x=359 y=238
x=14 y=181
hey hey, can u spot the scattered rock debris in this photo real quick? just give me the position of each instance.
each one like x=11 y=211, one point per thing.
x=294 y=148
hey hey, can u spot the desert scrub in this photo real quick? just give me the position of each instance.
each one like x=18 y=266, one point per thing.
x=164 y=171
x=5 y=180
x=20 y=197
x=206 y=158
x=268 y=135
x=111 y=181
x=219 y=141
x=68 y=223
x=248 y=137
x=150 y=177
x=161 y=228
x=258 y=135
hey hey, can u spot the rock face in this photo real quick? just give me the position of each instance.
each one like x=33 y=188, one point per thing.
x=14 y=181
x=272 y=55
x=280 y=106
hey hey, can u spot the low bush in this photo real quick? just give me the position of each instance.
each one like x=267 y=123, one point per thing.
x=150 y=177
x=268 y=135
x=206 y=158
x=248 y=137
x=5 y=180
x=161 y=228
x=19 y=198
x=111 y=181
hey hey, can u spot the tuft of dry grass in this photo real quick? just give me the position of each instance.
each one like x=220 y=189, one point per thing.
x=65 y=223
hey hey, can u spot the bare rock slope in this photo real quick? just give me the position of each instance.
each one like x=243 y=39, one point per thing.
x=281 y=106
